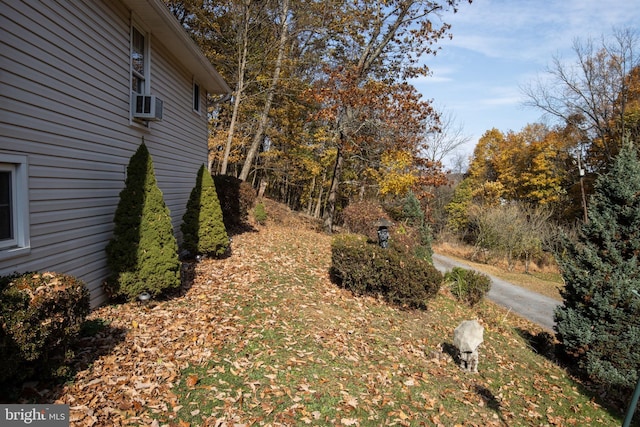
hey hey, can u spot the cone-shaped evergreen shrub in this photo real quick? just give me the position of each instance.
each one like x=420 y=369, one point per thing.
x=143 y=253
x=203 y=229
x=598 y=322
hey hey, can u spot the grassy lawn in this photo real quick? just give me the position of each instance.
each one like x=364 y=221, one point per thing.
x=297 y=350
x=263 y=338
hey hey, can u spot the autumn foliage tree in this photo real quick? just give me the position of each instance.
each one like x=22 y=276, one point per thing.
x=320 y=89
x=529 y=165
x=376 y=47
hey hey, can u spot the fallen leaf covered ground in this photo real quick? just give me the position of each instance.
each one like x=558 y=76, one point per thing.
x=265 y=338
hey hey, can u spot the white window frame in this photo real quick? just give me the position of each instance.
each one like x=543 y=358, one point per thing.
x=147 y=68
x=17 y=166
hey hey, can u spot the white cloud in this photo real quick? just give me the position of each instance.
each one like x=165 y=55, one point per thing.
x=438 y=75
x=499 y=46
x=535 y=30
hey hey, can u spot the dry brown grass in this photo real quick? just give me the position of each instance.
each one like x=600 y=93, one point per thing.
x=544 y=279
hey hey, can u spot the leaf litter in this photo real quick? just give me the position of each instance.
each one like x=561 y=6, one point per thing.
x=265 y=338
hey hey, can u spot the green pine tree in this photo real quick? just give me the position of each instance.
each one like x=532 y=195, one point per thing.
x=598 y=323
x=203 y=227
x=143 y=253
x=413 y=214
x=412 y=211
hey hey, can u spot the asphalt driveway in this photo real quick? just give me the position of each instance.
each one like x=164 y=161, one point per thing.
x=530 y=305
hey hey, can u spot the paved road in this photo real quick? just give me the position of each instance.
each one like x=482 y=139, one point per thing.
x=530 y=305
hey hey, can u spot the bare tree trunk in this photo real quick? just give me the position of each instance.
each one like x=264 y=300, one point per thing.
x=333 y=192
x=264 y=116
x=310 y=202
x=242 y=65
x=263 y=187
x=316 y=213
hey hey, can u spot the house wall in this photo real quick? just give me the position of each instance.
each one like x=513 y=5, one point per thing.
x=64 y=90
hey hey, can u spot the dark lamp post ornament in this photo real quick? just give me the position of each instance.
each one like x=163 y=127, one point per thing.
x=383 y=225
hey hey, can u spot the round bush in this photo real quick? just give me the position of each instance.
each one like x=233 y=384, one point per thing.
x=40 y=316
x=468 y=286
x=365 y=268
x=236 y=200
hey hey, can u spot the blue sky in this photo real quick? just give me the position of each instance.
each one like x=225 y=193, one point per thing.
x=498 y=46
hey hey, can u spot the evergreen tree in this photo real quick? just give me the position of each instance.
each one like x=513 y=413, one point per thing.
x=412 y=211
x=202 y=227
x=143 y=253
x=598 y=323
x=413 y=214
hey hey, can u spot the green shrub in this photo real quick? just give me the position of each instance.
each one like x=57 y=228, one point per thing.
x=260 y=213
x=143 y=253
x=236 y=200
x=40 y=316
x=365 y=268
x=468 y=286
x=412 y=210
x=203 y=229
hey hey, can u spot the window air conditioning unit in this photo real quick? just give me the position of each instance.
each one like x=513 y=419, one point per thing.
x=147 y=107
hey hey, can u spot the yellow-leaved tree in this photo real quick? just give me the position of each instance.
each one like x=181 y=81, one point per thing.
x=396 y=174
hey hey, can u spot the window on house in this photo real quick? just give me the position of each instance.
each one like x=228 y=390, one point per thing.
x=196 y=97
x=14 y=215
x=139 y=62
x=6 y=211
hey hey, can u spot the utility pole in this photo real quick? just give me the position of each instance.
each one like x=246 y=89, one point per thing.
x=584 y=198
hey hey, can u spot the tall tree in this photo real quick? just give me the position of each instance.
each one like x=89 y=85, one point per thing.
x=483 y=163
x=598 y=321
x=372 y=41
x=283 y=29
x=529 y=165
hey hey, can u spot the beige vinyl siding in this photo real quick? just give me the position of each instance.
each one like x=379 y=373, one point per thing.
x=184 y=135
x=64 y=83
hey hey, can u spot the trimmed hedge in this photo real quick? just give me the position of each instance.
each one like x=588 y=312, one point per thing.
x=40 y=317
x=236 y=200
x=468 y=286
x=365 y=268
